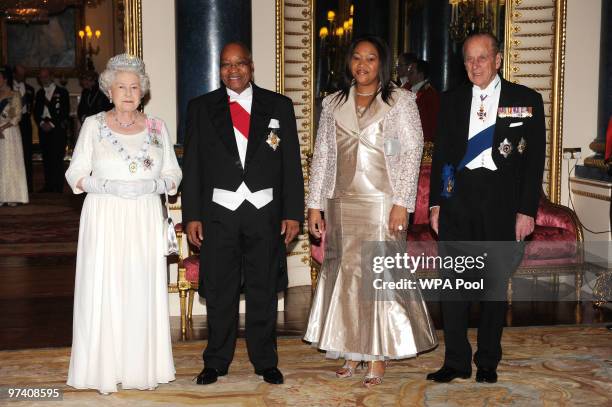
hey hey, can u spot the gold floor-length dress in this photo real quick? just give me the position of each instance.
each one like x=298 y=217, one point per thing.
x=348 y=318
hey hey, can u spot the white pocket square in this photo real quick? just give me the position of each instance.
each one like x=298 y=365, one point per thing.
x=273 y=124
x=516 y=124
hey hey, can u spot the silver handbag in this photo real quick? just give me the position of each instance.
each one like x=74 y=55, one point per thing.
x=170 y=238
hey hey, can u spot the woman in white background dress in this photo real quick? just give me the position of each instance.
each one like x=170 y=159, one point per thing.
x=13 y=184
x=124 y=160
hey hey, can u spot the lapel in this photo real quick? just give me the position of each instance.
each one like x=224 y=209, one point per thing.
x=379 y=109
x=258 y=128
x=464 y=107
x=346 y=115
x=504 y=101
x=222 y=121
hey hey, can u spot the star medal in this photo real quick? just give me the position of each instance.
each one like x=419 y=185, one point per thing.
x=521 y=146
x=273 y=140
x=133 y=166
x=505 y=148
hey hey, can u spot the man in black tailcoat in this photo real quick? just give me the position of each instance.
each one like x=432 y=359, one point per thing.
x=51 y=113
x=486 y=182
x=243 y=201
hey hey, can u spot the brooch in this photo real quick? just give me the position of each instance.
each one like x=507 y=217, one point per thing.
x=147 y=163
x=521 y=146
x=505 y=148
x=273 y=140
x=448 y=180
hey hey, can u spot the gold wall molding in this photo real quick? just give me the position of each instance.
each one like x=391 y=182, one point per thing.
x=295 y=40
x=534 y=55
x=591 y=195
x=601 y=184
x=133 y=27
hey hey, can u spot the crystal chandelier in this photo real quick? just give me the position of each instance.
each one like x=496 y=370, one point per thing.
x=473 y=16
x=32 y=11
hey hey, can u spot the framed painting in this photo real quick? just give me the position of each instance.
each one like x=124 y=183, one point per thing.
x=52 y=45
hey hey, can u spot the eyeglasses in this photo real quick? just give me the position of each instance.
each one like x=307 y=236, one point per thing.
x=237 y=65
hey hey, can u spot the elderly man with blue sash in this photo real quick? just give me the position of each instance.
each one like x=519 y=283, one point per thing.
x=485 y=186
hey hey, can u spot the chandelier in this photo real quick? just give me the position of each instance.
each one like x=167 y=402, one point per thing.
x=34 y=11
x=335 y=36
x=473 y=16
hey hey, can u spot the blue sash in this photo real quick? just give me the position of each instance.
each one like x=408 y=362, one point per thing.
x=476 y=145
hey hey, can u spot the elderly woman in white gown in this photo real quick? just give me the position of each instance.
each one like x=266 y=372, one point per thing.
x=124 y=160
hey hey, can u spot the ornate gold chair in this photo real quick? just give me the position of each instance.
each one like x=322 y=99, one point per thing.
x=187 y=280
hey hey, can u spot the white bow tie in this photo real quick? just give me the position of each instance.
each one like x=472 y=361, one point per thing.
x=240 y=98
x=479 y=93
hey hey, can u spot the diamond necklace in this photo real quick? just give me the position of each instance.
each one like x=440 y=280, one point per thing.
x=123 y=125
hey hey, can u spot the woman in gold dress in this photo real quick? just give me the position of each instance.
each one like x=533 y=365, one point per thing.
x=364 y=178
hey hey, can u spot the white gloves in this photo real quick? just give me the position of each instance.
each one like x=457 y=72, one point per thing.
x=93 y=185
x=125 y=189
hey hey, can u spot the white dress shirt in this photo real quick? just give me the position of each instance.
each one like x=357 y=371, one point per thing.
x=490 y=103
x=244 y=99
x=417 y=87
x=233 y=199
x=49 y=90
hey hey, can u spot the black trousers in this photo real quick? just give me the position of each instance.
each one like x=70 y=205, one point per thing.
x=25 y=127
x=478 y=211
x=241 y=245
x=53 y=147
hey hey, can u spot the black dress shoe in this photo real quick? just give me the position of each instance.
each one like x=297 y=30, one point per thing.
x=209 y=375
x=446 y=374
x=486 y=375
x=271 y=375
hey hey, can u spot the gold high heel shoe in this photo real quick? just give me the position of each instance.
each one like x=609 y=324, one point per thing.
x=374 y=379
x=347 y=369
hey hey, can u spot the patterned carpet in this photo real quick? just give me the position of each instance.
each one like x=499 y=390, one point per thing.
x=49 y=225
x=542 y=366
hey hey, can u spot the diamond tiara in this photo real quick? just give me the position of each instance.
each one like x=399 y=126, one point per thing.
x=131 y=62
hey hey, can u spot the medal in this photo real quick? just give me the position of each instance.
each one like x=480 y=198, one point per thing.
x=273 y=140
x=133 y=167
x=521 y=146
x=482 y=114
x=505 y=148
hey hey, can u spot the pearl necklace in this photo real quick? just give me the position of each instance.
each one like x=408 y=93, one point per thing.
x=123 y=125
x=365 y=94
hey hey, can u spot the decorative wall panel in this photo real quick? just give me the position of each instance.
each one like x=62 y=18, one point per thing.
x=294 y=54
x=534 y=57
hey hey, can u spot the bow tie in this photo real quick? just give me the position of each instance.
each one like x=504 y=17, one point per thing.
x=479 y=93
x=240 y=98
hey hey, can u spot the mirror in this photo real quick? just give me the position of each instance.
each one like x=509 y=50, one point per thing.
x=69 y=37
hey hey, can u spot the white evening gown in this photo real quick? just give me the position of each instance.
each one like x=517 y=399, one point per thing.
x=13 y=184
x=121 y=331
